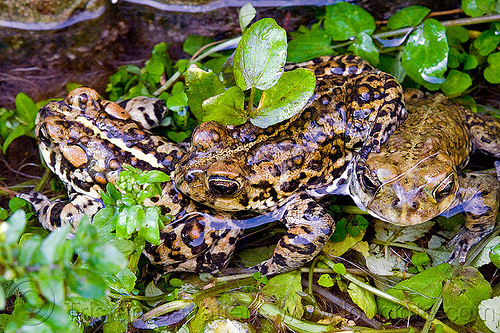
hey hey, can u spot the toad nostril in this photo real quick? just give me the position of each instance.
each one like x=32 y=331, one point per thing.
x=414 y=205
x=395 y=203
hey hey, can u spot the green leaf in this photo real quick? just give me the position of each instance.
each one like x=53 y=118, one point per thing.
x=456 y=83
x=18 y=131
x=344 y=21
x=91 y=307
x=240 y=311
x=470 y=62
x=407 y=17
x=127 y=279
x=54 y=246
x=489 y=311
x=326 y=280
x=286 y=98
x=364 y=299
x=153 y=176
x=107 y=259
x=177 y=102
x=149 y=228
x=426 y=54
x=128 y=221
x=495 y=256
x=422 y=289
x=86 y=283
x=420 y=258
x=51 y=285
x=15 y=227
x=30 y=247
x=4 y=214
x=26 y=109
x=339 y=268
x=463 y=293
x=194 y=42
x=226 y=108
x=340 y=232
x=246 y=15
x=106 y=219
x=312 y=44
x=201 y=85
x=364 y=47
x=487 y=42
x=456 y=35
x=477 y=8
x=284 y=288
x=260 y=55
x=492 y=72
x=453 y=58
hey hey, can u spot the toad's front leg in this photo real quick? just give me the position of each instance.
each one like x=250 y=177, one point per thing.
x=478 y=196
x=309 y=227
x=196 y=242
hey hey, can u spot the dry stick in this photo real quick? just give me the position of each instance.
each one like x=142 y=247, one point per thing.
x=344 y=305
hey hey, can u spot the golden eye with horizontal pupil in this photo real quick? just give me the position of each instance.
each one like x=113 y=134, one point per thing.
x=370 y=183
x=445 y=188
x=223 y=187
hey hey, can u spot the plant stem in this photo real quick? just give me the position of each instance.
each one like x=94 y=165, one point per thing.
x=227 y=44
x=432 y=314
x=406 y=304
x=45 y=178
x=250 y=102
x=165 y=308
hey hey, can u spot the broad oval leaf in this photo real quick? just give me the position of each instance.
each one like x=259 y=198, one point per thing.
x=364 y=299
x=26 y=109
x=487 y=42
x=463 y=294
x=246 y=15
x=477 y=8
x=422 y=289
x=364 y=47
x=309 y=45
x=425 y=57
x=15 y=227
x=492 y=72
x=201 y=85
x=226 y=108
x=456 y=83
x=407 y=17
x=260 y=56
x=457 y=34
x=344 y=21
x=286 y=98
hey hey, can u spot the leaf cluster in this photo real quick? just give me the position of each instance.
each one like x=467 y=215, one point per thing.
x=47 y=279
x=257 y=65
x=425 y=52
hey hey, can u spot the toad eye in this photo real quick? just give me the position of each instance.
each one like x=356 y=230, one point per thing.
x=370 y=182
x=223 y=187
x=445 y=188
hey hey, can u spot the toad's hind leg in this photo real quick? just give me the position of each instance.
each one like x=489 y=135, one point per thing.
x=478 y=197
x=309 y=227
x=53 y=214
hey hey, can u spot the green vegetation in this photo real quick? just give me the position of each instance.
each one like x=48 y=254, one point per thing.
x=51 y=284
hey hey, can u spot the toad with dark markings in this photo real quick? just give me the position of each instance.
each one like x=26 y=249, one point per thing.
x=418 y=174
